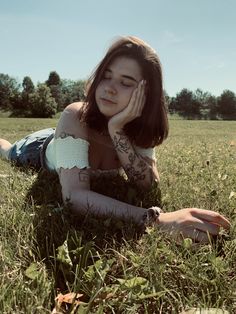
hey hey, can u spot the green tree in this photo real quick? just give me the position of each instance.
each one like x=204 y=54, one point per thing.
x=72 y=91
x=42 y=104
x=53 y=79
x=28 y=89
x=213 y=108
x=167 y=99
x=9 y=91
x=28 y=85
x=57 y=94
x=54 y=83
x=172 y=105
x=185 y=104
x=226 y=104
x=78 y=90
x=207 y=104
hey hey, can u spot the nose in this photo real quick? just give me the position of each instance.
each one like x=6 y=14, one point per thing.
x=110 y=88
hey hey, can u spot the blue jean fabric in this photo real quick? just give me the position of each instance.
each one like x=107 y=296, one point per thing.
x=29 y=152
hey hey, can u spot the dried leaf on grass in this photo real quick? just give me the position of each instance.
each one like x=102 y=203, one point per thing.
x=63 y=301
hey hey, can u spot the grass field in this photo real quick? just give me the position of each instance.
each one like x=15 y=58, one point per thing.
x=45 y=250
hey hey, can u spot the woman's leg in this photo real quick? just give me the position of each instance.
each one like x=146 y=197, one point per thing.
x=5 y=147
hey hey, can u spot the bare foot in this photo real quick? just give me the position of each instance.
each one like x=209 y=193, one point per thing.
x=5 y=147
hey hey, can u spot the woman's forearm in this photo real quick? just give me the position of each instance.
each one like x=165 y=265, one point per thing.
x=136 y=167
x=86 y=200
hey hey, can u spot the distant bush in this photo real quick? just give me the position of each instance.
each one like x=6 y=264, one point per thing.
x=42 y=104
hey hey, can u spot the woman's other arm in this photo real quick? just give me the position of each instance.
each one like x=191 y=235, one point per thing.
x=75 y=185
x=141 y=170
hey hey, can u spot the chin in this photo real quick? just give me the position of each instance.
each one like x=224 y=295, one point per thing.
x=107 y=113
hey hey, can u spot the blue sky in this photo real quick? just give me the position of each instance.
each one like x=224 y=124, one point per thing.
x=195 y=39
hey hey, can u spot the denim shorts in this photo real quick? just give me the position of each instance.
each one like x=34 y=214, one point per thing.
x=29 y=152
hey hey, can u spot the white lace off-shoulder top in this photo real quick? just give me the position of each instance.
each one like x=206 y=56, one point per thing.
x=72 y=152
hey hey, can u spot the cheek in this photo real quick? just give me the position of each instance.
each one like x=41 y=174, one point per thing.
x=98 y=88
x=127 y=95
x=98 y=91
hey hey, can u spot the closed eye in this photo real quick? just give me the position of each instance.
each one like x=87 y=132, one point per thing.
x=127 y=84
x=126 y=81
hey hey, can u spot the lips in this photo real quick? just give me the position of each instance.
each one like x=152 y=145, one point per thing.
x=107 y=101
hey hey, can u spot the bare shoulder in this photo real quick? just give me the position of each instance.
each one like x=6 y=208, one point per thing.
x=69 y=122
x=75 y=107
x=73 y=110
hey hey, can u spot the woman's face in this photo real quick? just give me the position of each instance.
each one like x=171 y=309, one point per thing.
x=115 y=89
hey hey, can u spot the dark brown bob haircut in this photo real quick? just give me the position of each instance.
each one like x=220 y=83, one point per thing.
x=151 y=128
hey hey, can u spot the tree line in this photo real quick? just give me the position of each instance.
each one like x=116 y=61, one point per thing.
x=50 y=97
x=43 y=100
x=203 y=105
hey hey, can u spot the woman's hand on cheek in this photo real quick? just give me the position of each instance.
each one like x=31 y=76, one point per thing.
x=132 y=111
x=197 y=224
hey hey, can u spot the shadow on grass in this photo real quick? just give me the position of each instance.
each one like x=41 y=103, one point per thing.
x=87 y=254
x=65 y=238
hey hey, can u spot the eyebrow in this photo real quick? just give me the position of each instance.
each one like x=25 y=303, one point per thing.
x=125 y=76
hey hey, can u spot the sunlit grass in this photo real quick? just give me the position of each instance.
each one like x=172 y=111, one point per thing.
x=44 y=250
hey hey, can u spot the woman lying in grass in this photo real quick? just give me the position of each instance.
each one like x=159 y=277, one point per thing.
x=116 y=129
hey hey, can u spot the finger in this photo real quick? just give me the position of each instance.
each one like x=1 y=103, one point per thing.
x=211 y=216
x=140 y=99
x=204 y=225
x=132 y=101
x=139 y=93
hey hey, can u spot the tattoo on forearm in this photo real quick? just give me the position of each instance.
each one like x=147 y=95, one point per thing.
x=121 y=142
x=132 y=158
x=142 y=165
x=137 y=172
x=137 y=169
x=133 y=174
